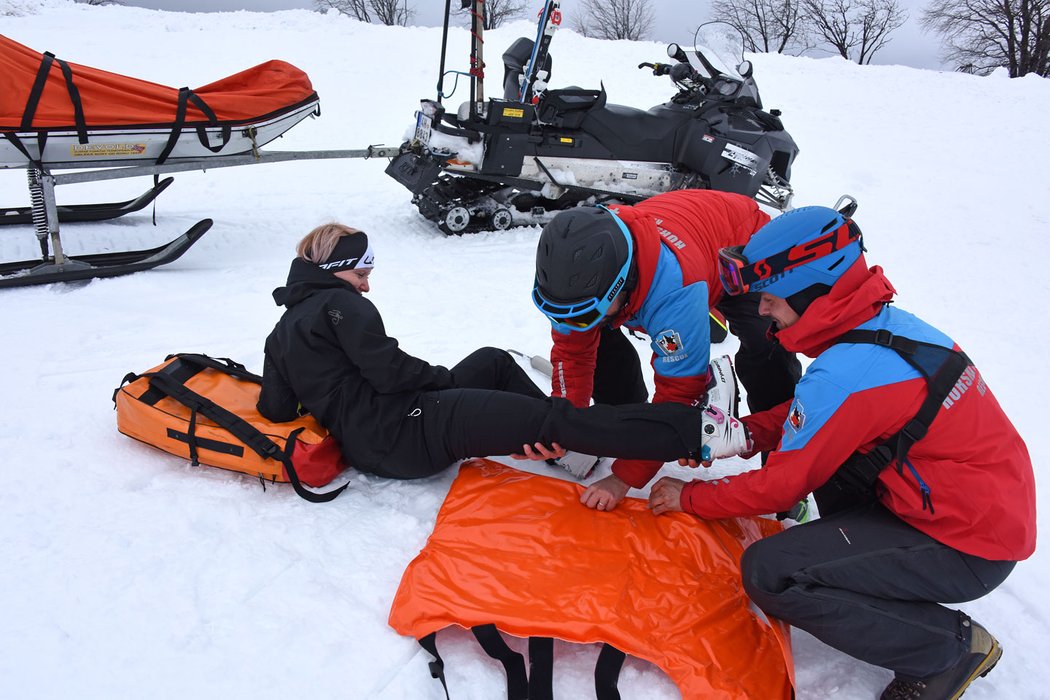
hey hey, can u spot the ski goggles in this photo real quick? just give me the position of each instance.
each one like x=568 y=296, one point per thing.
x=740 y=276
x=585 y=314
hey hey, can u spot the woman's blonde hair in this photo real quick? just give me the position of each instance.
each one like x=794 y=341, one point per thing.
x=318 y=245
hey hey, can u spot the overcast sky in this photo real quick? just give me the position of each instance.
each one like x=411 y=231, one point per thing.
x=909 y=46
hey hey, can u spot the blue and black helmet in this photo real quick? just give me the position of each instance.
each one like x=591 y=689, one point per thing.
x=583 y=262
x=801 y=249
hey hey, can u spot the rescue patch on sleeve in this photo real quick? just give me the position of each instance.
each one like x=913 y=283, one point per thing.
x=796 y=416
x=670 y=343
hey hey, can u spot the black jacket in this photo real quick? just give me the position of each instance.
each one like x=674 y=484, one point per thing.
x=330 y=355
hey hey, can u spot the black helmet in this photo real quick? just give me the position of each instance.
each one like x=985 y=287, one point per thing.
x=583 y=261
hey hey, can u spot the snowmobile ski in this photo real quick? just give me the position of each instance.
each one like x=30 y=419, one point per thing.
x=88 y=212
x=84 y=267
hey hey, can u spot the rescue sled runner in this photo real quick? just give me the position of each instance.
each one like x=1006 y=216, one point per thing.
x=56 y=115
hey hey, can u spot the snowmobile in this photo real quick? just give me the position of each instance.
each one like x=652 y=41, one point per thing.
x=520 y=158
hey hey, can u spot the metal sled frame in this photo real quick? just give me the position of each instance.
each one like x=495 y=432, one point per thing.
x=45 y=214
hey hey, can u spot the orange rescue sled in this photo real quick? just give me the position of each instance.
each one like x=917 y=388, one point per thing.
x=52 y=111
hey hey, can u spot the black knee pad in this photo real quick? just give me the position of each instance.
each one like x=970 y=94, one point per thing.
x=759 y=573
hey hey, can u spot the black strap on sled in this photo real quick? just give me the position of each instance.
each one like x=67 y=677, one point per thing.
x=37 y=92
x=607 y=672
x=170 y=382
x=538 y=682
x=185 y=97
x=942 y=368
x=513 y=663
x=541 y=668
x=437 y=666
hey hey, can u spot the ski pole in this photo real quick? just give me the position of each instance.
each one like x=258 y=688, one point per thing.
x=541 y=364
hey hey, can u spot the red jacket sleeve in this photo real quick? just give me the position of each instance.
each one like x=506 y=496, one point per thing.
x=573 y=358
x=767 y=427
x=788 y=476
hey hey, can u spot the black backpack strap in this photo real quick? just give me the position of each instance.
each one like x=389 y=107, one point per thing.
x=220 y=364
x=513 y=663
x=437 y=666
x=607 y=672
x=541 y=668
x=941 y=368
x=239 y=428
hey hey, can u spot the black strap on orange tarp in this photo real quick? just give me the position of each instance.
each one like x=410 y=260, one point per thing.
x=37 y=92
x=607 y=673
x=541 y=668
x=513 y=663
x=437 y=666
x=185 y=97
x=538 y=683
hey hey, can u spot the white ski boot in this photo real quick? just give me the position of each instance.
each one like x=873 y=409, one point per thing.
x=722 y=389
x=579 y=465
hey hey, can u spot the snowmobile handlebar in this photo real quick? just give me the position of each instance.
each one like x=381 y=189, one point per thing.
x=658 y=68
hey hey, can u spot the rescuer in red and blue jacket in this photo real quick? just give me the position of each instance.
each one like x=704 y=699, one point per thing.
x=652 y=268
x=925 y=489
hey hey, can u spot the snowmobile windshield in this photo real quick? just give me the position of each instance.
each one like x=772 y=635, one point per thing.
x=718 y=51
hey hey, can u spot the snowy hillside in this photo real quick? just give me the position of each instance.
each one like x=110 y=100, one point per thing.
x=127 y=573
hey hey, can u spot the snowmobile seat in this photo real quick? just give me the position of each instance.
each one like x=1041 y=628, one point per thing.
x=515 y=59
x=567 y=107
x=633 y=134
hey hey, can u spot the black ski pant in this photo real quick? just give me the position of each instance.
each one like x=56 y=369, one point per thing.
x=496 y=409
x=868 y=584
x=768 y=372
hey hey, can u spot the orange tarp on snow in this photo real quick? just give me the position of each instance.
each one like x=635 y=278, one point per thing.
x=519 y=551
x=111 y=100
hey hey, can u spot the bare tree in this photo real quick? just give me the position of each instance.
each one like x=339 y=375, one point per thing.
x=499 y=11
x=981 y=35
x=856 y=29
x=767 y=26
x=614 y=19
x=388 y=12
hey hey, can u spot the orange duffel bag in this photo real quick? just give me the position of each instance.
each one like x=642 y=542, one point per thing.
x=518 y=553
x=203 y=409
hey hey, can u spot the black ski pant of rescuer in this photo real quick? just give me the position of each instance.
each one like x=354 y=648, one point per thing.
x=868 y=584
x=768 y=372
x=496 y=409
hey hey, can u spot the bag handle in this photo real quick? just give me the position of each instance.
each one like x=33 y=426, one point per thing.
x=220 y=364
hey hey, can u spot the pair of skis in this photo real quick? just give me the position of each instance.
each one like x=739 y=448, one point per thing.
x=550 y=20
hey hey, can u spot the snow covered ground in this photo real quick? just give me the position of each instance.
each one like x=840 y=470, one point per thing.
x=127 y=573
